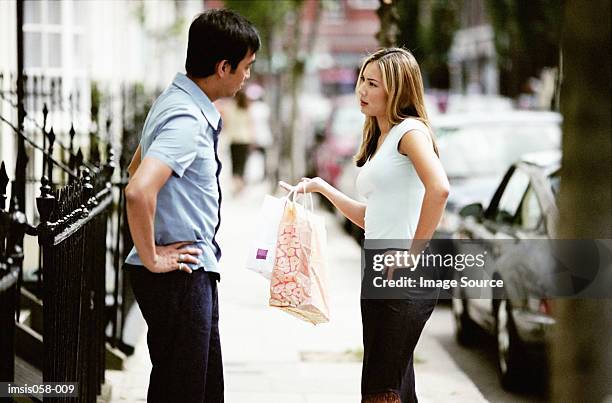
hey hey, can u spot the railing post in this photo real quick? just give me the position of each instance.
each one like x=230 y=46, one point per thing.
x=87 y=193
x=4 y=180
x=45 y=112
x=9 y=274
x=51 y=136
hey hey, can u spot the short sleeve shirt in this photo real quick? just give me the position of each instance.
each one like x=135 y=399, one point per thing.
x=181 y=130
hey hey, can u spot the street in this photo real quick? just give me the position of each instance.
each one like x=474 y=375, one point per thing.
x=479 y=362
x=499 y=117
x=270 y=356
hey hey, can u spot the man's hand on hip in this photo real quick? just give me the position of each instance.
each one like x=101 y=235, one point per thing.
x=174 y=257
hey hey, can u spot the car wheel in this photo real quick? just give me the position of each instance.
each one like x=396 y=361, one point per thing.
x=465 y=328
x=508 y=346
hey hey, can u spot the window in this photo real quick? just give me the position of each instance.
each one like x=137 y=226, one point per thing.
x=531 y=217
x=32 y=12
x=54 y=40
x=555 y=184
x=54 y=37
x=54 y=12
x=53 y=33
x=33 y=48
x=511 y=197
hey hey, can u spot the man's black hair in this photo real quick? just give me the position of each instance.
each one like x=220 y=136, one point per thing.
x=216 y=35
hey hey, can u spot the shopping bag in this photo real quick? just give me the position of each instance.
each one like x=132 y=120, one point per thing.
x=299 y=284
x=263 y=248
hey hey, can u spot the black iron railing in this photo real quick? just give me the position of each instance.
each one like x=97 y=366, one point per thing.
x=81 y=226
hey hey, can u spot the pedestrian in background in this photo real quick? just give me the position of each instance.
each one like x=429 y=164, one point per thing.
x=405 y=188
x=260 y=116
x=239 y=132
x=173 y=209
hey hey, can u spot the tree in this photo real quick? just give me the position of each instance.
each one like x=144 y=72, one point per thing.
x=527 y=39
x=272 y=20
x=389 y=19
x=427 y=30
x=411 y=28
x=582 y=346
x=270 y=23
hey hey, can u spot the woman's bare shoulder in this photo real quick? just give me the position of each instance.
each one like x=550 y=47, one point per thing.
x=412 y=124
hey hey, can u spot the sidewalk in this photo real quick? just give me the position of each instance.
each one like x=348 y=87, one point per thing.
x=270 y=356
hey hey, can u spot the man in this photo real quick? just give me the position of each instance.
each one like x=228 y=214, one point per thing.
x=173 y=208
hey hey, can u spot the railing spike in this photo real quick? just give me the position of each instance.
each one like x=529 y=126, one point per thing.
x=45 y=112
x=4 y=180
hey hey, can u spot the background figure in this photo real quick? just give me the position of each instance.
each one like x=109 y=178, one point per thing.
x=238 y=130
x=260 y=117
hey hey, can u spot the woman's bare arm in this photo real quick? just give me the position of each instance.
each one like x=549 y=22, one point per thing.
x=417 y=146
x=350 y=208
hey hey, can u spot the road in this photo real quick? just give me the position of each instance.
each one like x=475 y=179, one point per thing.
x=478 y=362
x=271 y=357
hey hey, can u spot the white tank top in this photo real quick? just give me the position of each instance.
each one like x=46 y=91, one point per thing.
x=392 y=188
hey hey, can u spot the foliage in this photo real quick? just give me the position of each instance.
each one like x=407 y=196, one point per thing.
x=411 y=27
x=438 y=39
x=168 y=33
x=527 y=39
x=268 y=16
x=427 y=29
x=389 y=20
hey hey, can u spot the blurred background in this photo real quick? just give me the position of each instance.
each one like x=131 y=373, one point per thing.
x=475 y=56
x=515 y=90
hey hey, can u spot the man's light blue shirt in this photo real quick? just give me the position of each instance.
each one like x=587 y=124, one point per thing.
x=181 y=130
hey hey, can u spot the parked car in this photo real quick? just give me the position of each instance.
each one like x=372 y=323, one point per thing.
x=340 y=140
x=480 y=103
x=476 y=149
x=524 y=207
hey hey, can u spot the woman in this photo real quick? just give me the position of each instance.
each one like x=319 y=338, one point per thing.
x=238 y=128
x=406 y=189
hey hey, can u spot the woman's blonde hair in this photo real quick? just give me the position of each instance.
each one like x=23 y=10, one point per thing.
x=401 y=77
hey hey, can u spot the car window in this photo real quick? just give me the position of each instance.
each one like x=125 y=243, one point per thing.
x=555 y=184
x=511 y=197
x=531 y=217
x=487 y=150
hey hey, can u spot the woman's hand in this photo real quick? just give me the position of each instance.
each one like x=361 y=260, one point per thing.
x=306 y=185
x=174 y=257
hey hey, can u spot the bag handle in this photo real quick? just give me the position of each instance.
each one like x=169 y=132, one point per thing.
x=292 y=195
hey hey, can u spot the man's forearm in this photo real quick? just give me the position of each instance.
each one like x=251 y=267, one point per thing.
x=140 y=215
x=135 y=163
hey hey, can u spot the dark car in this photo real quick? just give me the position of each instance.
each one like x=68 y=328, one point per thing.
x=521 y=217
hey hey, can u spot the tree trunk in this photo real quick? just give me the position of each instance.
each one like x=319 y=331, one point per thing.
x=582 y=344
x=297 y=76
x=389 y=19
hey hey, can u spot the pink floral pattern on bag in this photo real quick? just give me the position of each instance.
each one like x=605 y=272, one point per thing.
x=296 y=285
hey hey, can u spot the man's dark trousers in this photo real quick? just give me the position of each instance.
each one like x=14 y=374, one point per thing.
x=182 y=313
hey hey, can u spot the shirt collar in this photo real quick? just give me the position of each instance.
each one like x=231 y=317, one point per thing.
x=208 y=108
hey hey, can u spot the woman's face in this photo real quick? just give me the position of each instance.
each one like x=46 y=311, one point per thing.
x=372 y=95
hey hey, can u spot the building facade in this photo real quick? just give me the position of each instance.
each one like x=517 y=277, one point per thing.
x=472 y=58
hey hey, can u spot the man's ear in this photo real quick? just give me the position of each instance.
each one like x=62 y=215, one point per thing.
x=222 y=68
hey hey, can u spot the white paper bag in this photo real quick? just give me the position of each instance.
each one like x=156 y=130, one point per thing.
x=263 y=249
